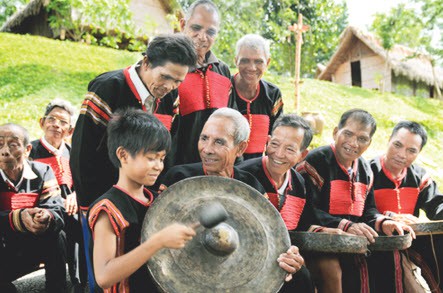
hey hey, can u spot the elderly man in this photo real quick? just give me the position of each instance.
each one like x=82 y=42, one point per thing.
x=207 y=85
x=342 y=195
x=257 y=99
x=144 y=85
x=223 y=139
x=401 y=189
x=31 y=214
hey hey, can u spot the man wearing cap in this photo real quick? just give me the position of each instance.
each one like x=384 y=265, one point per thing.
x=146 y=85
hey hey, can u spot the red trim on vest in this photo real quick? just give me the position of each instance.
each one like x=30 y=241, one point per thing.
x=132 y=87
x=399 y=200
x=396 y=181
x=13 y=201
x=165 y=119
x=61 y=168
x=96 y=109
x=148 y=194
x=259 y=125
x=347 y=198
x=292 y=210
x=200 y=91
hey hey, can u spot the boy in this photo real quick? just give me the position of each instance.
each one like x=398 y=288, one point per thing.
x=31 y=214
x=137 y=145
x=52 y=149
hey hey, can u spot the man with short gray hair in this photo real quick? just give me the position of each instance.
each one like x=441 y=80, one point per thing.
x=257 y=99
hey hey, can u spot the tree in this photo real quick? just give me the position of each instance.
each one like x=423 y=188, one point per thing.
x=412 y=27
x=9 y=7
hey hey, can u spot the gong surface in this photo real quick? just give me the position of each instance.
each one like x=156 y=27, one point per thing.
x=262 y=237
x=391 y=243
x=427 y=228
x=328 y=243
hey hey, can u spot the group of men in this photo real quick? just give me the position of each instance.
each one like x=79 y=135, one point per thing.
x=221 y=126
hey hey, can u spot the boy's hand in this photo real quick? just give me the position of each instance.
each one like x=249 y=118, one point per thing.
x=71 y=204
x=175 y=236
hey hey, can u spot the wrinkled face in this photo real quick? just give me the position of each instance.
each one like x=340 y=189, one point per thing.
x=216 y=146
x=351 y=141
x=12 y=150
x=56 y=125
x=144 y=168
x=251 y=64
x=160 y=80
x=283 y=149
x=202 y=28
x=403 y=149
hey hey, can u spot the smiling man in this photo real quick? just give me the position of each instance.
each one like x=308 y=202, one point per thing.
x=207 y=85
x=224 y=138
x=257 y=99
x=342 y=193
x=401 y=189
x=144 y=85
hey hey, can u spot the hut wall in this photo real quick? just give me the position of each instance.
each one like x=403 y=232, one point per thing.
x=372 y=71
x=343 y=74
x=404 y=86
x=150 y=17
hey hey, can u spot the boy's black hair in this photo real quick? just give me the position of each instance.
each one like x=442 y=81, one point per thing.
x=136 y=131
x=174 y=48
x=23 y=131
x=295 y=121
x=359 y=115
x=414 y=128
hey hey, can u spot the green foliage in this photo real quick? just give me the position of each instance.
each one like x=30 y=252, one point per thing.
x=271 y=19
x=412 y=25
x=9 y=7
x=401 y=25
x=59 y=14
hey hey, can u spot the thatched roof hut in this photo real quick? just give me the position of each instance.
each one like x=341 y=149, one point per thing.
x=150 y=16
x=405 y=64
x=32 y=19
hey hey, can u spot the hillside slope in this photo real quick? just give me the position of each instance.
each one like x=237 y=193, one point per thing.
x=34 y=70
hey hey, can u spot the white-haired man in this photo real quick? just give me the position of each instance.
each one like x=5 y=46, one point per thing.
x=257 y=99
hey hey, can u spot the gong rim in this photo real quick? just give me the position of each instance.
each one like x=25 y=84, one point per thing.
x=391 y=243
x=320 y=242
x=427 y=228
x=196 y=269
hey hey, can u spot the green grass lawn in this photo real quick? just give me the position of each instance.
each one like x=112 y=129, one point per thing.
x=34 y=70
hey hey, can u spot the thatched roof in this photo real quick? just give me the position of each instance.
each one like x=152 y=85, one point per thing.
x=32 y=8
x=402 y=60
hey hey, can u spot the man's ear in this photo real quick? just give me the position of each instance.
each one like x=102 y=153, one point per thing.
x=304 y=154
x=28 y=149
x=241 y=148
x=235 y=60
x=41 y=121
x=70 y=131
x=182 y=24
x=334 y=132
x=267 y=62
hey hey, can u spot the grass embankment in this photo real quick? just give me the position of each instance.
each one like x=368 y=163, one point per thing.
x=35 y=70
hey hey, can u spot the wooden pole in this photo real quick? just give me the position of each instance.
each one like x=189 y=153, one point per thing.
x=298 y=29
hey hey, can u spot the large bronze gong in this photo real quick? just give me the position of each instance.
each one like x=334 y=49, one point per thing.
x=238 y=255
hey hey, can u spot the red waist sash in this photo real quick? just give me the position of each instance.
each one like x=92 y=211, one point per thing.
x=401 y=201
x=347 y=198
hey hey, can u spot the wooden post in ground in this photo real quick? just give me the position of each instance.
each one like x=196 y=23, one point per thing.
x=298 y=29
